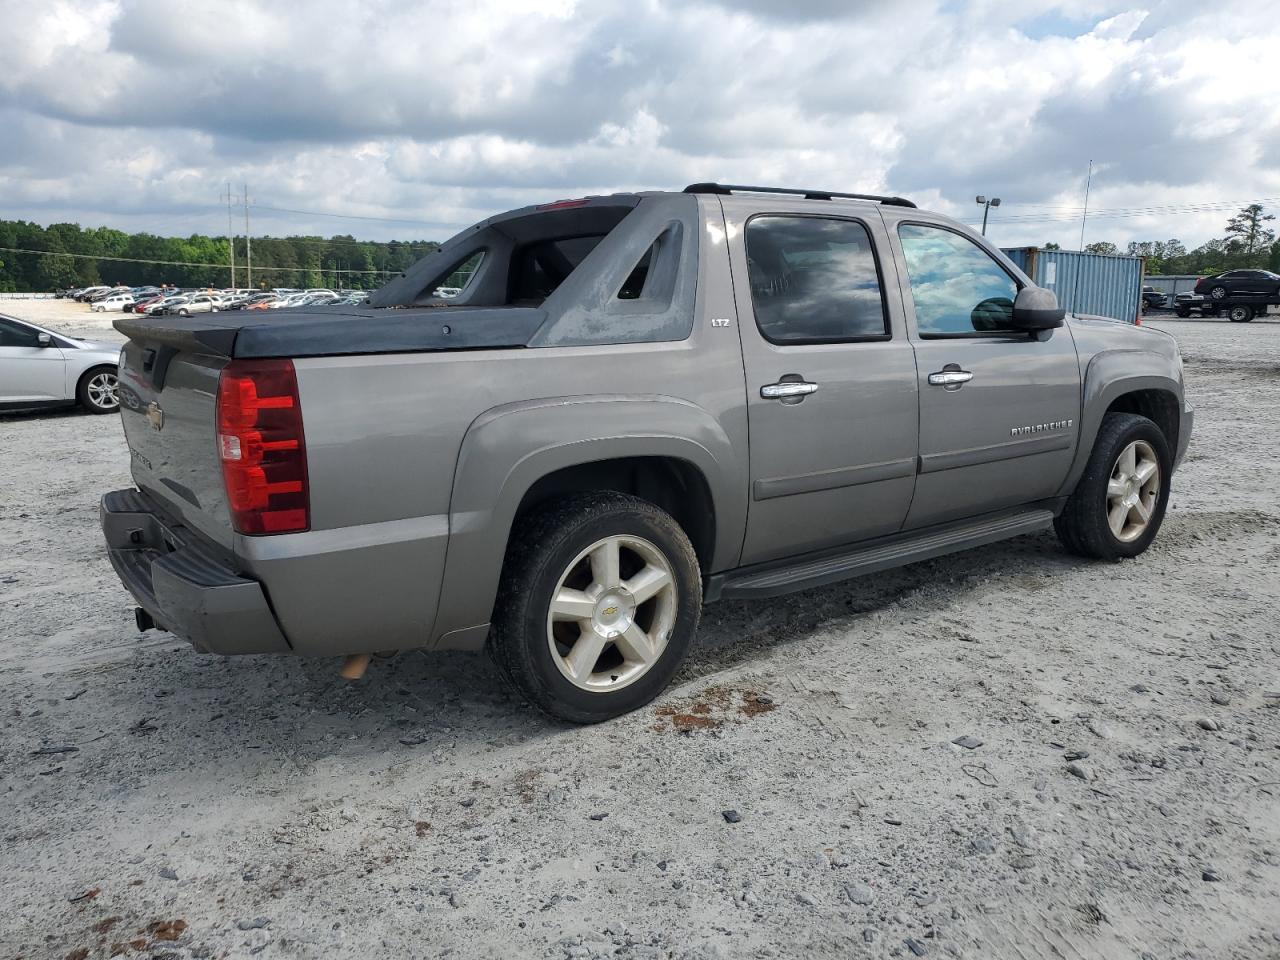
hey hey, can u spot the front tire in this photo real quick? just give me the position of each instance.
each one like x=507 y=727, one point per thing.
x=599 y=602
x=1119 y=503
x=99 y=391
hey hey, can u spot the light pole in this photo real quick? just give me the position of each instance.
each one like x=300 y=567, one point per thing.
x=986 y=209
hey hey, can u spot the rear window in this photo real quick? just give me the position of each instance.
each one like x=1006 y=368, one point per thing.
x=538 y=268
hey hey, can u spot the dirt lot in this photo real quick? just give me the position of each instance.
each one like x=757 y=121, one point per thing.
x=160 y=803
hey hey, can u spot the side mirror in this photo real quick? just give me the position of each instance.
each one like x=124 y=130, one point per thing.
x=1037 y=309
x=44 y=340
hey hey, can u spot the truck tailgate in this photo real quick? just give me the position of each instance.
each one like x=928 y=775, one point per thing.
x=168 y=405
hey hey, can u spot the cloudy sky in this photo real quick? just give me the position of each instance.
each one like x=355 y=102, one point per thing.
x=410 y=118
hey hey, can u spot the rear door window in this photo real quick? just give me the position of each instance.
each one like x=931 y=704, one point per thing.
x=814 y=280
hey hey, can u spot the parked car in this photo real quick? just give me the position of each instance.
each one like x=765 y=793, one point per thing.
x=41 y=368
x=1153 y=298
x=555 y=461
x=85 y=293
x=139 y=305
x=163 y=304
x=117 y=301
x=194 y=303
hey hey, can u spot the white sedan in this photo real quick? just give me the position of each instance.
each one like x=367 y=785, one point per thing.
x=40 y=368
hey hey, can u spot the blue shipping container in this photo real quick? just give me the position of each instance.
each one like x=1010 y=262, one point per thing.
x=1096 y=284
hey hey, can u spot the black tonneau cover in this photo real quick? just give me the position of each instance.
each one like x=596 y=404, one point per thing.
x=339 y=331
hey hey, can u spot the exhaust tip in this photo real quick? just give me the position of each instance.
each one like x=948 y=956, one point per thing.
x=143 y=620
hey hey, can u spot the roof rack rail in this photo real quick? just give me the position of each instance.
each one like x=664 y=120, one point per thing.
x=724 y=188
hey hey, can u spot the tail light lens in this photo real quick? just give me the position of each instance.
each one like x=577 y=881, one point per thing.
x=261 y=446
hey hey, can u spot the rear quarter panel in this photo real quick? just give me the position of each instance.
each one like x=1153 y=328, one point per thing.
x=384 y=435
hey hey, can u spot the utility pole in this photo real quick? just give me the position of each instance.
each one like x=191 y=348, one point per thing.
x=231 y=239
x=248 y=244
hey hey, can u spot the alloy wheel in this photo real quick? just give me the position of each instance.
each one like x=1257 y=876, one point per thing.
x=612 y=613
x=103 y=390
x=1133 y=491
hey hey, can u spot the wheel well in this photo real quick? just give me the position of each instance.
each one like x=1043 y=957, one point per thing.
x=1158 y=406
x=675 y=485
x=92 y=370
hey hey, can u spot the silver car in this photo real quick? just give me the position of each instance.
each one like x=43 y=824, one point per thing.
x=40 y=368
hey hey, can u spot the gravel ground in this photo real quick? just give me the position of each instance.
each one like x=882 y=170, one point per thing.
x=798 y=794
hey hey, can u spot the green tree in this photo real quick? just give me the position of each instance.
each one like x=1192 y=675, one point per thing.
x=1101 y=246
x=1248 y=231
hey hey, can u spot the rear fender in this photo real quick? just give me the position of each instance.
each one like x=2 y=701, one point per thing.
x=509 y=448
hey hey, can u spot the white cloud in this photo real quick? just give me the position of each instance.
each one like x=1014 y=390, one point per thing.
x=136 y=112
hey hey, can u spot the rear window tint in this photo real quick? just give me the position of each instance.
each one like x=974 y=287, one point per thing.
x=539 y=268
x=814 y=280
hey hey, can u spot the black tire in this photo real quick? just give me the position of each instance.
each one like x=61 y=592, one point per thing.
x=1218 y=293
x=1240 y=314
x=184 y=312
x=1082 y=526
x=1183 y=312
x=542 y=548
x=85 y=396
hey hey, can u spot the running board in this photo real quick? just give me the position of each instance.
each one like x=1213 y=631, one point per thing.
x=772 y=580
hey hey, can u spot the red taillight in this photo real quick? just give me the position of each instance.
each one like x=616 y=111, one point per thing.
x=261 y=446
x=561 y=204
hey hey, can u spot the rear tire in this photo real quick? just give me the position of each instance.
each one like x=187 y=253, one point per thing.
x=1218 y=293
x=627 y=596
x=1119 y=503
x=1182 y=312
x=1240 y=314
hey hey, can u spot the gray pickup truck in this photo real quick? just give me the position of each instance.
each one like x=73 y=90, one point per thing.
x=562 y=433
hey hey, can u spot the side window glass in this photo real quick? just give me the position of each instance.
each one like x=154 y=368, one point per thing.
x=956 y=285
x=814 y=280
x=16 y=335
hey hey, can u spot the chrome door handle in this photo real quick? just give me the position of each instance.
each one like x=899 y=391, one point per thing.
x=785 y=389
x=950 y=378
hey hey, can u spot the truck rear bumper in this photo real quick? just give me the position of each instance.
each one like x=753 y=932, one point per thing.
x=183 y=583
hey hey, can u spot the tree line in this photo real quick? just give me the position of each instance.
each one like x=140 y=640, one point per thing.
x=1247 y=243
x=71 y=256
